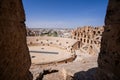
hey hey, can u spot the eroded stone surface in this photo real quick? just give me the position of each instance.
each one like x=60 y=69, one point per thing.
x=109 y=57
x=89 y=38
x=14 y=56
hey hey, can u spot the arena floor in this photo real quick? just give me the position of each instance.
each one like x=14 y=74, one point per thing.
x=47 y=54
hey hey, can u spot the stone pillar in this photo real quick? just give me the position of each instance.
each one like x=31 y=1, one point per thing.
x=109 y=57
x=14 y=55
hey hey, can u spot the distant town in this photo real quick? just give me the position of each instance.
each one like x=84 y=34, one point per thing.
x=53 y=32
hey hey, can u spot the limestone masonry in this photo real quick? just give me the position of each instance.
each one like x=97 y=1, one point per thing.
x=89 y=38
x=14 y=55
x=109 y=57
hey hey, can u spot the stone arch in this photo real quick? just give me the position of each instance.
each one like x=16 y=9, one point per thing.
x=87 y=40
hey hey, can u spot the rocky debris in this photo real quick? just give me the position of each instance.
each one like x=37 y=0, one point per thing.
x=53 y=76
x=14 y=55
x=68 y=71
x=89 y=38
x=109 y=57
x=82 y=70
x=43 y=74
x=37 y=72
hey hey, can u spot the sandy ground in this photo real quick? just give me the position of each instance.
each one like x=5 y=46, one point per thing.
x=83 y=67
x=46 y=54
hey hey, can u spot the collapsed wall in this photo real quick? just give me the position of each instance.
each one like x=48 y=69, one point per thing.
x=109 y=57
x=89 y=38
x=14 y=55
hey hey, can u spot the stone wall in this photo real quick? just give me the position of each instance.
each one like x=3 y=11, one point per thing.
x=14 y=55
x=63 y=43
x=109 y=57
x=89 y=38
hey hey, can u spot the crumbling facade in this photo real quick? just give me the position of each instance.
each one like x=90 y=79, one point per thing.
x=89 y=38
x=14 y=55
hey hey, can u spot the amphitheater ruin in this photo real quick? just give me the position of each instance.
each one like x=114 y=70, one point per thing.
x=89 y=38
x=15 y=61
x=84 y=39
x=59 y=48
x=52 y=51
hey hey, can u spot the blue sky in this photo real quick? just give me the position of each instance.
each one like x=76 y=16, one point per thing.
x=64 y=13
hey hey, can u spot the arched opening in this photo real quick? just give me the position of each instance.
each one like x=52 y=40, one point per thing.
x=108 y=58
x=76 y=36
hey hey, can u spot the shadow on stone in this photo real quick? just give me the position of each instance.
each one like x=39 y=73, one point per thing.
x=45 y=52
x=45 y=72
x=85 y=75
